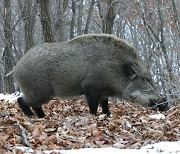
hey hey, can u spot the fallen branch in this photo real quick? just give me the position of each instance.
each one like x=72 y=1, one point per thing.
x=23 y=135
x=71 y=138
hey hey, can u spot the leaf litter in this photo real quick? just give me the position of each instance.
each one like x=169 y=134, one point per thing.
x=68 y=125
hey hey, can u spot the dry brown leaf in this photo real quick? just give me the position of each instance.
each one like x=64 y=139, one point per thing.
x=68 y=125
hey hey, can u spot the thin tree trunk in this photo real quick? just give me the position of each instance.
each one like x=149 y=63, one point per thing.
x=1 y=82
x=7 y=55
x=46 y=21
x=176 y=17
x=110 y=16
x=80 y=9
x=28 y=11
x=86 y=30
x=73 y=19
x=168 y=76
x=59 y=24
x=101 y=16
x=162 y=41
x=159 y=37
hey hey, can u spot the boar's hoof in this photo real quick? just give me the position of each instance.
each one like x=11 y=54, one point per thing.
x=160 y=105
x=26 y=109
x=105 y=106
x=39 y=112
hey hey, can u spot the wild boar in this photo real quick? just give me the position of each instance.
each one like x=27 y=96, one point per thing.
x=95 y=65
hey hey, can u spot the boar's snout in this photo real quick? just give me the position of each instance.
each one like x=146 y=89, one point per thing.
x=149 y=99
x=160 y=104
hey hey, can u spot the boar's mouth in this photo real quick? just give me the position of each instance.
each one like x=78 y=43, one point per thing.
x=150 y=101
x=160 y=104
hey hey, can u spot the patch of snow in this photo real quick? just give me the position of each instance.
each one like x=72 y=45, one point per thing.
x=161 y=147
x=12 y=98
x=157 y=116
x=25 y=150
x=167 y=147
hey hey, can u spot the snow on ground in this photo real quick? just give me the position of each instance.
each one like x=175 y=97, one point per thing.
x=10 y=97
x=158 y=148
x=157 y=116
x=161 y=147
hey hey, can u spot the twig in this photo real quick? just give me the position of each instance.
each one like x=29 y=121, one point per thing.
x=23 y=134
x=8 y=74
x=63 y=135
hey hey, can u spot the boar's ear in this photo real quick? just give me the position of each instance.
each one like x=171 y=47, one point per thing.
x=129 y=71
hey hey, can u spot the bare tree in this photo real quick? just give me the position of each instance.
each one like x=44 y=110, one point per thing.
x=73 y=7
x=80 y=14
x=107 y=15
x=28 y=11
x=60 y=19
x=157 y=34
x=152 y=26
x=89 y=16
x=109 y=20
x=46 y=21
x=101 y=16
x=7 y=54
x=176 y=16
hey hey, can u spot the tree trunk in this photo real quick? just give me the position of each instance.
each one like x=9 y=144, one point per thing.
x=73 y=19
x=80 y=9
x=59 y=25
x=176 y=16
x=46 y=21
x=158 y=37
x=7 y=55
x=86 y=30
x=110 y=16
x=28 y=11
x=162 y=41
x=101 y=16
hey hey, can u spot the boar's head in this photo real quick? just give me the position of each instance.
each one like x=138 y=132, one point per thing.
x=140 y=88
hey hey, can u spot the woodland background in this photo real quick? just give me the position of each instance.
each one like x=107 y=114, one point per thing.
x=152 y=26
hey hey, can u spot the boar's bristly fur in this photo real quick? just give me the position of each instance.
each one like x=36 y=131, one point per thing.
x=95 y=65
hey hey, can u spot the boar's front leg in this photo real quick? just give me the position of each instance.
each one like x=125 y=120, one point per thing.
x=24 y=107
x=27 y=111
x=93 y=99
x=105 y=106
x=39 y=112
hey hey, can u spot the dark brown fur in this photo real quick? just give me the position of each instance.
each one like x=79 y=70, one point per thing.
x=95 y=65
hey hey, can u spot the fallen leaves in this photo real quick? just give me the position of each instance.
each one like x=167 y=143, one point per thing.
x=68 y=125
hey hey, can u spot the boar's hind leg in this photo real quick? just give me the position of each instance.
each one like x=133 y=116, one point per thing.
x=25 y=107
x=104 y=105
x=93 y=99
x=39 y=112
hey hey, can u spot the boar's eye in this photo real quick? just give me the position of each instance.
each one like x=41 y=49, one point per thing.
x=128 y=71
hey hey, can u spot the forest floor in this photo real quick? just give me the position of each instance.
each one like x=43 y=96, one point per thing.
x=68 y=125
